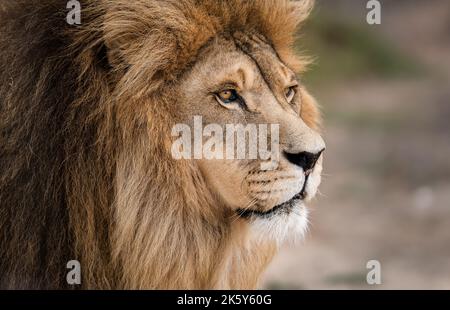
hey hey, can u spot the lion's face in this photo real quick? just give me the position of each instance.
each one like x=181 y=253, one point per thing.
x=241 y=80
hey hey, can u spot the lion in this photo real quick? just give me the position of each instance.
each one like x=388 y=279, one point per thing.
x=86 y=170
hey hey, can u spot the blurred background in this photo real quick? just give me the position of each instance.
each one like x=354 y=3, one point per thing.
x=385 y=194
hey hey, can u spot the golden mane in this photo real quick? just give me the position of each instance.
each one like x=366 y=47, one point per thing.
x=86 y=171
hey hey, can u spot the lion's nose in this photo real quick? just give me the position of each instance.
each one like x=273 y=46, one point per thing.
x=305 y=160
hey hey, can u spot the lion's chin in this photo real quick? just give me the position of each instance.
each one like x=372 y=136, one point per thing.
x=281 y=227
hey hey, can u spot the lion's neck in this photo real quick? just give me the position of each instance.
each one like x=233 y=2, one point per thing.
x=195 y=255
x=244 y=261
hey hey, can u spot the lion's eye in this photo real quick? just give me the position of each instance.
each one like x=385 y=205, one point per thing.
x=228 y=96
x=290 y=93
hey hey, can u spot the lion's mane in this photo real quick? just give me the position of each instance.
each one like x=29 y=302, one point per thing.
x=85 y=165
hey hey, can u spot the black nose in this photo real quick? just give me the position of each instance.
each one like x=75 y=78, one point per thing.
x=305 y=160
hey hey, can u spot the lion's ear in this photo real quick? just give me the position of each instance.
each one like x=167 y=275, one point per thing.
x=133 y=40
x=123 y=31
x=114 y=55
x=119 y=42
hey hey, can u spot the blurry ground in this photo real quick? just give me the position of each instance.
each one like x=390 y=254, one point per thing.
x=386 y=189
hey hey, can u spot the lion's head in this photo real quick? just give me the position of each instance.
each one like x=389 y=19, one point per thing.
x=239 y=79
x=112 y=91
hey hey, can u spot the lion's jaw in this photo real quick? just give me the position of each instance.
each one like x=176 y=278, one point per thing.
x=288 y=221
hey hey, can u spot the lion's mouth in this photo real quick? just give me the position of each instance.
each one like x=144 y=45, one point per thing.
x=285 y=207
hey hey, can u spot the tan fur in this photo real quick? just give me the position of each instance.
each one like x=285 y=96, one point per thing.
x=98 y=168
